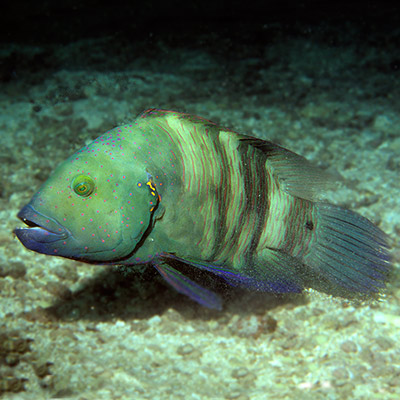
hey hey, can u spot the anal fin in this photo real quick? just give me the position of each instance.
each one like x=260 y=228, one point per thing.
x=277 y=272
x=271 y=271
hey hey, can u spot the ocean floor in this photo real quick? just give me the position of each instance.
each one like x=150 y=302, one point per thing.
x=77 y=331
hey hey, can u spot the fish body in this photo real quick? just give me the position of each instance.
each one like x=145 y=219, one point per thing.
x=172 y=188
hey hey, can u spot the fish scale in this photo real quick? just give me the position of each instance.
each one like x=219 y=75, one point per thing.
x=172 y=190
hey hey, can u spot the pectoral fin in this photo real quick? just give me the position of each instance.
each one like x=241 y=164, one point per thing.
x=184 y=285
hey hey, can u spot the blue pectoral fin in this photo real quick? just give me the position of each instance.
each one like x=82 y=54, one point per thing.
x=186 y=286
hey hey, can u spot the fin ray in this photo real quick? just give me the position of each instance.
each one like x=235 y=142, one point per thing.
x=297 y=176
x=272 y=272
x=349 y=252
x=186 y=286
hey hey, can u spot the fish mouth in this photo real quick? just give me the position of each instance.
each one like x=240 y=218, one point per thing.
x=41 y=232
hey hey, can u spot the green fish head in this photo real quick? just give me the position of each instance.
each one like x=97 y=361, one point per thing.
x=96 y=207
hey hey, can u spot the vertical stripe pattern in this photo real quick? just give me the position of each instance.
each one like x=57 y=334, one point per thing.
x=236 y=201
x=229 y=180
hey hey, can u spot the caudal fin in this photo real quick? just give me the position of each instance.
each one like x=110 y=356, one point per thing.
x=350 y=255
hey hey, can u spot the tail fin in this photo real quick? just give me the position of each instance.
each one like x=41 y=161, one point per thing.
x=350 y=256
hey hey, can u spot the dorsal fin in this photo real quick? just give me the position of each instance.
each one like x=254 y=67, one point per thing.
x=297 y=176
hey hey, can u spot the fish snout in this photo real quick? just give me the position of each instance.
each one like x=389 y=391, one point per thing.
x=41 y=232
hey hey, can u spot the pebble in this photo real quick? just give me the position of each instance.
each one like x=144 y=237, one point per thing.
x=384 y=343
x=58 y=289
x=240 y=372
x=349 y=346
x=340 y=373
x=185 y=349
x=15 y=270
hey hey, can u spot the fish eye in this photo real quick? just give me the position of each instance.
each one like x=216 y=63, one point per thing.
x=83 y=185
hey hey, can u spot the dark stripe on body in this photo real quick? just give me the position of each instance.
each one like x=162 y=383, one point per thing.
x=252 y=216
x=261 y=203
x=220 y=229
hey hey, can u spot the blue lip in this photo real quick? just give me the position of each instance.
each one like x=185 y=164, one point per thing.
x=42 y=232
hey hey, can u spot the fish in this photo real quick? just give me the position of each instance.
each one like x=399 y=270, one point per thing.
x=172 y=189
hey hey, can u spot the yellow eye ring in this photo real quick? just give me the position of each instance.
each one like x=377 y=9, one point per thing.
x=83 y=185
